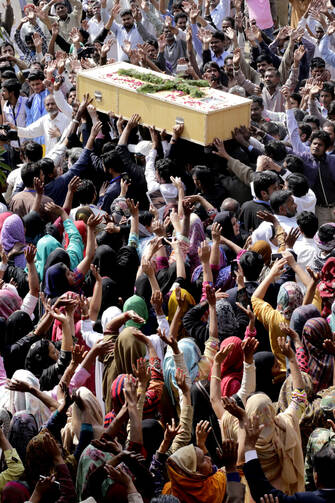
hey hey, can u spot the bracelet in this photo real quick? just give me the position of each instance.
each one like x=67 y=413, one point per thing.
x=3 y=267
x=216 y=377
x=75 y=121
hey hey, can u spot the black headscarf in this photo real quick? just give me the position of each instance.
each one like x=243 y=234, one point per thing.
x=18 y=325
x=224 y=219
x=34 y=227
x=105 y=259
x=264 y=361
x=153 y=434
x=38 y=358
x=55 y=257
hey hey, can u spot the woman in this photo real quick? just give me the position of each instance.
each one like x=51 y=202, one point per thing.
x=137 y=304
x=327 y=286
x=13 y=239
x=191 y=477
x=17 y=341
x=230 y=231
x=88 y=412
x=34 y=227
x=59 y=280
x=267 y=369
x=232 y=367
x=314 y=358
x=10 y=301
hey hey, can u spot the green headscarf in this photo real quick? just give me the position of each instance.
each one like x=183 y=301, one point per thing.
x=137 y=304
x=45 y=246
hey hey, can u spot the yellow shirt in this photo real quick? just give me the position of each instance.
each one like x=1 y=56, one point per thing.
x=271 y=318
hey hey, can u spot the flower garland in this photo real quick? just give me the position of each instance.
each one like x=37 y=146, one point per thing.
x=155 y=84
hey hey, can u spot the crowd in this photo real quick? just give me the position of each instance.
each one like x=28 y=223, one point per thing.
x=178 y=348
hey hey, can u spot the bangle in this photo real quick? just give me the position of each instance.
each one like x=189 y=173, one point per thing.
x=216 y=377
x=75 y=121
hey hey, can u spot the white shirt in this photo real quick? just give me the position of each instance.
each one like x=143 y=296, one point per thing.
x=305 y=249
x=41 y=128
x=265 y=230
x=16 y=116
x=168 y=190
x=121 y=35
x=306 y=202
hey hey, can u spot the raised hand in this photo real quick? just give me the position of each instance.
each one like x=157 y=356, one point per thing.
x=222 y=354
x=142 y=372
x=202 y=431
x=204 y=252
x=181 y=381
x=285 y=348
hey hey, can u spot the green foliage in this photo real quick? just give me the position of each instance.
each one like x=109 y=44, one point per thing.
x=156 y=84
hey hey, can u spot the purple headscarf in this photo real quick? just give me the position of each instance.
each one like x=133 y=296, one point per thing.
x=12 y=233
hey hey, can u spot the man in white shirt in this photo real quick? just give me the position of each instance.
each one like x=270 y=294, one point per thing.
x=285 y=210
x=306 y=248
x=127 y=31
x=14 y=108
x=51 y=125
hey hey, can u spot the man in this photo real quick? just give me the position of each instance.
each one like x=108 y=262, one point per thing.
x=303 y=196
x=14 y=109
x=35 y=108
x=66 y=21
x=319 y=167
x=34 y=45
x=86 y=195
x=217 y=48
x=285 y=210
x=174 y=49
x=127 y=31
x=50 y=126
x=323 y=472
x=306 y=248
x=219 y=9
x=23 y=201
x=265 y=183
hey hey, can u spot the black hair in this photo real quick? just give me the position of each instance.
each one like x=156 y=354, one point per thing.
x=166 y=168
x=278 y=198
x=308 y=223
x=28 y=37
x=324 y=465
x=6 y=43
x=73 y=88
x=35 y=75
x=8 y=73
x=177 y=5
x=328 y=87
x=318 y=62
x=126 y=12
x=298 y=184
x=323 y=136
x=112 y=160
x=84 y=34
x=299 y=115
x=294 y=163
x=12 y=85
x=204 y=175
x=231 y=21
x=264 y=57
x=146 y=217
x=219 y=35
x=252 y=264
x=47 y=166
x=107 y=147
x=59 y=3
x=326 y=233
x=32 y=150
x=262 y=181
x=152 y=42
x=297 y=97
x=276 y=150
x=272 y=128
x=305 y=129
x=28 y=172
x=180 y=15
x=312 y=118
x=85 y=192
x=258 y=100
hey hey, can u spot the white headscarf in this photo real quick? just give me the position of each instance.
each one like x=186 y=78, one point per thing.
x=108 y=315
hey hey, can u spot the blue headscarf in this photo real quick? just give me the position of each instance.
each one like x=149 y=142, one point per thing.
x=192 y=356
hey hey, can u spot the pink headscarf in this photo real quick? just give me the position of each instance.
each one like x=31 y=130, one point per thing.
x=9 y=302
x=232 y=367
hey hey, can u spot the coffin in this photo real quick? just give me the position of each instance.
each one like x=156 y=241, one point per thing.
x=215 y=114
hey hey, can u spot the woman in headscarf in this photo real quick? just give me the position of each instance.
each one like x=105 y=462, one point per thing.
x=13 y=239
x=302 y=314
x=264 y=249
x=105 y=259
x=230 y=232
x=34 y=227
x=10 y=301
x=85 y=409
x=59 y=280
x=137 y=304
x=279 y=444
x=173 y=305
x=82 y=228
x=17 y=341
x=325 y=241
x=267 y=368
x=3 y=217
x=327 y=286
x=128 y=349
x=19 y=401
x=232 y=367
x=45 y=246
x=319 y=361
x=15 y=492
x=192 y=479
